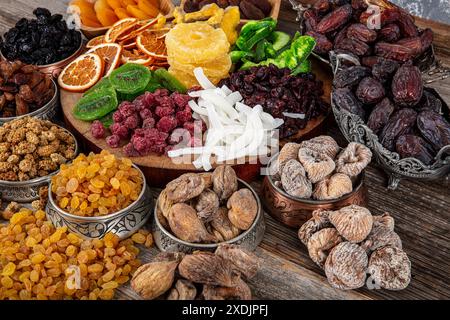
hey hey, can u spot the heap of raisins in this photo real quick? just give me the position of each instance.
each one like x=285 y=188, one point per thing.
x=41 y=41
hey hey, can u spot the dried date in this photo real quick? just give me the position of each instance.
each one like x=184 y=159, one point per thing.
x=430 y=101
x=323 y=45
x=370 y=91
x=345 y=99
x=407 y=85
x=384 y=69
x=359 y=31
x=386 y=16
x=434 y=128
x=322 y=6
x=380 y=115
x=335 y=19
x=400 y=123
x=353 y=46
x=406 y=23
x=393 y=51
x=311 y=20
x=350 y=77
x=413 y=146
x=389 y=33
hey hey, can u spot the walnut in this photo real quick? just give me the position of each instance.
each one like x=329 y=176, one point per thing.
x=13 y=159
x=207 y=178
x=206 y=205
x=390 y=268
x=353 y=159
x=346 y=266
x=243 y=261
x=10 y=210
x=333 y=187
x=32 y=137
x=185 y=187
x=164 y=203
x=5 y=166
x=243 y=208
x=186 y=225
x=288 y=152
x=317 y=165
x=224 y=182
x=240 y=291
x=381 y=236
x=183 y=290
x=321 y=243
x=294 y=181
x=322 y=144
x=25 y=165
x=353 y=222
x=208 y=268
x=385 y=219
x=153 y=279
x=222 y=227
x=318 y=221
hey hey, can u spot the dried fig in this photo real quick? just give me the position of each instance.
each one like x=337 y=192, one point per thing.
x=162 y=219
x=294 y=181
x=381 y=236
x=288 y=152
x=385 y=220
x=207 y=205
x=208 y=268
x=223 y=226
x=318 y=221
x=168 y=256
x=323 y=144
x=239 y=292
x=390 y=268
x=185 y=187
x=207 y=178
x=242 y=260
x=153 y=279
x=164 y=203
x=224 y=182
x=317 y=165
x=243 y=208
x=183 y=290
x=186 y=225
x=333 y=187
x=321 y=243
x=353 y=159
x=353 y=222
x=346 y=266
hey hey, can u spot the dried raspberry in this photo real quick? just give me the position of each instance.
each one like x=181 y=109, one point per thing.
x=129 y=150
x=146 y=113
x=97 y=129
x=113 y=141
x=184 y=115
x=120 y=130
x=167 y=124
x=156 y=136
x=158 y=148
x=192 y=126
x=132 y=121
x=127 y=109
x=164 y=111
x=148 y=123
x=178 y=135
x=117 y=117
x=140 y=144
x=181 y=100
x=139 y=103
x=160 y=93
x=149 y=100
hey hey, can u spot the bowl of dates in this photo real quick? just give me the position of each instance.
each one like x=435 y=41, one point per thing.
x=45 y=41
x=26 y=91
x=221 y=208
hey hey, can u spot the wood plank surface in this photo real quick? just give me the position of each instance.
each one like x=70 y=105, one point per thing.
x=421 y=209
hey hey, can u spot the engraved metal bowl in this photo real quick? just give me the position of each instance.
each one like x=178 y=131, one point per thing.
x=293 y=211
x=249 y=239
x=46 y=112
x=122 y=223
x=28 y=191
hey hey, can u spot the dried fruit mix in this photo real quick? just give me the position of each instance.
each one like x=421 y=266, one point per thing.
x=250 y=9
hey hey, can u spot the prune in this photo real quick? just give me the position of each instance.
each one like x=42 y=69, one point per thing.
x=380 y=115
x=413 y=146
x=384 y=69
x=323 y=45
x=389 y=33
x=354 y=46
x=358 y=31
x=400 y=123
x=393 y=51
x=430 y=101
x=370 y=91
x=434 y=128
x=344 y=99
x=350 y=77
x=407 y=85
x=335 y=19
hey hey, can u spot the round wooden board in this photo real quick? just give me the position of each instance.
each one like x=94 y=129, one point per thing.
x=161 y=169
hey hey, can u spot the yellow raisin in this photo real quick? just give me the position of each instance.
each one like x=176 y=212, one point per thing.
x=63 y=202
x=138 y=238
x=72 y=185
x=106 y=294
x=7 y=282
x=9 y=269
x=38 y=258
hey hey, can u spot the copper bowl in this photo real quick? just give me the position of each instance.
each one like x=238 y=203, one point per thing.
x=293 y=211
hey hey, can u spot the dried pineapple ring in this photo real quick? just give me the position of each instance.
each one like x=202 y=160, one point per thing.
x=217 y=68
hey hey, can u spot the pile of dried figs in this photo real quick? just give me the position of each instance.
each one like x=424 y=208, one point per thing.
x=207 y=207
x=355 y=248
x=202 y=275
x=319 y=169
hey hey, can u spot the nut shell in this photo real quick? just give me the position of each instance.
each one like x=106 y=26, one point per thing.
x=224 y=182
x=153 y=279
x=353 y=222
x=243 y=208
x=317 y=165
x=353 y=159
x=333 y=187
x=321 y=243
x=243 y=261
x=322 y=144
x=185 y=187
x=294 y=181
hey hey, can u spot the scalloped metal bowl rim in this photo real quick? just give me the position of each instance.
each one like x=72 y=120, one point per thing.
x=434 y=166
x=258 y=217
x=360 y=182
x=50 y=103
x=35 y=181
x=72 y=217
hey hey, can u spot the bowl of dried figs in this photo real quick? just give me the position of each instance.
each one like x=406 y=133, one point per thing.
x=31 y=152
x=314 y=174
x=200 y=211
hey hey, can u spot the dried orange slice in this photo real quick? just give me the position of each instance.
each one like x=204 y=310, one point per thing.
x=82 y=73
x=142 y=27
x=110 y=54
x=95 y=41
x=136 y=56
x=119 y=28
x=128 y=45
x=153 y=44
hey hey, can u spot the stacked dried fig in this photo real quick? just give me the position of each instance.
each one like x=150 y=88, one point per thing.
x=201 y=275
x=207 y=207
x=318 y=169
x=355 y=248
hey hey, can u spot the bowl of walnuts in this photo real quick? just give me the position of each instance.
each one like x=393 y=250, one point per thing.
x=31 y=152
x=198 y=211
x=314 y=174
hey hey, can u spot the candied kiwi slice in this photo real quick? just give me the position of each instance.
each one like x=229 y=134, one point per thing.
x=96 y=105
x=169 y=81
x=103 y=83
x=131 y=78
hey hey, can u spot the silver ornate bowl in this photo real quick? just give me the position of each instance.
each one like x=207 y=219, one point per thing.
x=27 y=191
x=122 y=223
x=249 y=239
x=46 y=112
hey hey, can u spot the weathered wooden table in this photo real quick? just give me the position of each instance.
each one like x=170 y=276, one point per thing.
x=421 y=210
